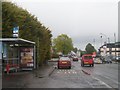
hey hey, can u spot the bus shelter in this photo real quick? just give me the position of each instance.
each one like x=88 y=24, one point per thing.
x=18 y=54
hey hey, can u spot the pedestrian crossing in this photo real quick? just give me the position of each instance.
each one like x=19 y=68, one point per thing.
x=67 y=72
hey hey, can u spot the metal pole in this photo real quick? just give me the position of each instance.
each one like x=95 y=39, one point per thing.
x=109 y=47
x=115 y=44
x=115 y=50
x=34 y=55
x=101 y=40
x=106 y=45
x=108 y=40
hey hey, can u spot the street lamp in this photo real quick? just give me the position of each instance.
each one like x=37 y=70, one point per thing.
x=101 y=39
x=108 y=40
x=105 y=43
x=104 y=35
x=115 y=44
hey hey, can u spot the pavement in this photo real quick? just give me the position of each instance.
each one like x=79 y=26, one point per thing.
x=44 y=71
x=24 y=78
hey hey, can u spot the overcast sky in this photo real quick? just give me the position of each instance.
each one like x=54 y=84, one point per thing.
x=82 y=20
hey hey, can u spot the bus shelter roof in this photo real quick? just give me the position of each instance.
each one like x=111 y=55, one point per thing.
x=16 y=41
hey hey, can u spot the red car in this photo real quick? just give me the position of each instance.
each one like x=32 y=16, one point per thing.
x=87 y=59
x=75 y=58
x=64 y=62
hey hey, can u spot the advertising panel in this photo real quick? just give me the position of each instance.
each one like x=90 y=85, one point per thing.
x=26 y=57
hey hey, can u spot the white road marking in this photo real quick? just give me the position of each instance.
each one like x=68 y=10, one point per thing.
x=75 y=72
x=90 y=84
x=103 y=83
x=109 y=79
x=69 y=72
x=112 y=80
x=58 y=72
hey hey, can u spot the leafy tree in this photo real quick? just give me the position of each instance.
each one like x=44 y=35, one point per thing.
x=29 y=28
x=63 y=44
x=75 y=50
x=83 y=52
x=90 y=49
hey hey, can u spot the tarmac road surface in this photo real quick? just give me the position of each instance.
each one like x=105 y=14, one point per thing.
x=99 y=76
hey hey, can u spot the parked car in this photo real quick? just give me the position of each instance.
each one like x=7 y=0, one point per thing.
x=102 y=58
x=109 y=59
x=97 y=61
x=106 y=59
x=75 y=58
x=64 y=62
x=116 y=58
x=113 y=58
x=87 y=59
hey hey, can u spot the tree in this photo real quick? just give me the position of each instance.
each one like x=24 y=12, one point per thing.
x=90 y=49
x=83 y=52
x=29 y=28
x=63 y=44
x=75 y=50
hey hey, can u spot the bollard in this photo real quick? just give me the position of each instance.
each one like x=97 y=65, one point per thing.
x=7 y=68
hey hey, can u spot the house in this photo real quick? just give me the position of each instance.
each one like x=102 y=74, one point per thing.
x=110 y=49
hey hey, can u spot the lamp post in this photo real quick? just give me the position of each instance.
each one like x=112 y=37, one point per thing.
x=108 y=40
x=104 y=35
x=115 y=44
x=105 y=43
x=101 y=40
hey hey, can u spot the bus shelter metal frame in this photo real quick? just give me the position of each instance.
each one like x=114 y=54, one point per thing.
x=20 y=43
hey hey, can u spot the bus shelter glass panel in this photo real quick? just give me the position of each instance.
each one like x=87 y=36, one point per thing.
x=10 y=56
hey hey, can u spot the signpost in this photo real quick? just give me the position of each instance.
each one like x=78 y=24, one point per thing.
x=16 y=31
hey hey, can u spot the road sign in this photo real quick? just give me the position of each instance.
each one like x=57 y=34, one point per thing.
x=16 y=31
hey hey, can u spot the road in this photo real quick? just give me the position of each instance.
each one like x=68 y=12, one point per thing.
x=99 y=76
